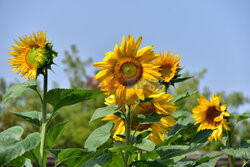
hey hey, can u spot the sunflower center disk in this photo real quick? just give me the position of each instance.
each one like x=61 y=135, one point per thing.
x=128 y=71
x=212 y=113
x=166 y=71
x=143 y=108
x=37 y=57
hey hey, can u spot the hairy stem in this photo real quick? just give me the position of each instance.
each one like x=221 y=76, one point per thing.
x=44 y=120
x=128 y=130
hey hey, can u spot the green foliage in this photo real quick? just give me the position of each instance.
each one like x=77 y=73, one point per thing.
x=98 y=137
x=182 y=96
x=98 y=161
x=242 y=151
x=11 y=145
x=104 y=111
x=17 y=89
x=149 y=119
x=33 y=117
x=54 y=133
x=65 y=97
x=243 y=116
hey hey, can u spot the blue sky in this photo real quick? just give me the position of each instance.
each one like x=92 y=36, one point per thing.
x=208 y=34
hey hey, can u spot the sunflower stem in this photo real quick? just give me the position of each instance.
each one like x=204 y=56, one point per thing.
x=44 y=120
x=229 y=144
x=128 y=130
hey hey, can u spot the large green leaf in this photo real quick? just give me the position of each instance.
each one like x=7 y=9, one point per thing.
x=242 y=151
x=104 y=111
x=98 y=161
x=73 y=157
x=144 y=163
x=33 y=117
x=146 y=145
x=11 y=146
x=174 y=153
x=98 y=137
x=183 y=96
x=149 y=119
x=54 y=133
x=17 y=89
x=63 y=97
x=243 y=116
x=21 y=161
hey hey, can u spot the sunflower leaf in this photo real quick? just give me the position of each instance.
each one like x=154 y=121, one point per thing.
x=33 y=117
x=17 y=89
x=242 y=151
x=98 y=137
x=149 y=119
x=11 y=146
x=64 y=97
x=54 y=133
x=104 y=111
x=183 y=96
x=182 y=79
x=98 y=161
x=243 y=116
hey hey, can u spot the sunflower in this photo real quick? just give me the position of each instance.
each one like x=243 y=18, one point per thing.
x=169 y=65
x=160 y=105
x=31 y=54
x=125 y=70
x=211 y=115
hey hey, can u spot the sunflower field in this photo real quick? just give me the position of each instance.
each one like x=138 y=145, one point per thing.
x=140 y=124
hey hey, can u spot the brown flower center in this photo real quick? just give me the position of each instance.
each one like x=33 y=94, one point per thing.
x=128 y=71
x=212 y=113
x=143 y=108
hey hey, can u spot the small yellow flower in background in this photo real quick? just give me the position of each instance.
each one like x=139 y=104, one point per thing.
x=159 y=105
x=211 y=115
x=169 y=65
x=31 y=54
x=125 y=69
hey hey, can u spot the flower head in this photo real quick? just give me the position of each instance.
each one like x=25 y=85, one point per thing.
x=31 y=55
x=125 y=70
x=211 y=115
x=169 y=65
x=160 y=105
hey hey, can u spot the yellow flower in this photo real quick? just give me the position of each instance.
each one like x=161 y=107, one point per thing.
x=211 y=115
x=169 y=65
x=31 y=54
x=159 y=105
x=125 y=70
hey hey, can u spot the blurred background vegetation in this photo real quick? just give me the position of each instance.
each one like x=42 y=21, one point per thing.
x=79 y=115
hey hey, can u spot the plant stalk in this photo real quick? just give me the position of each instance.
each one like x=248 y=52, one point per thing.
x=44 y=120
x=229 y=144
x=128 y=130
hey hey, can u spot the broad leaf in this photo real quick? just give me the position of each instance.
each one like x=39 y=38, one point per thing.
x=17 y=89
x=33 y=117
x=98 y=161
x=54 y=133
x=182 y=79
x=142 y=135
x=73 y=157
x=104 y=111
x=207 y=160
x=63 y=97
x=98 y=137
x=183 y=96
x=20 y=162
x=174 y=153
x=11 y=146
x=242 y=151
x=146 y=145
x=243 y=116
x=149 y=119
x=144 y=163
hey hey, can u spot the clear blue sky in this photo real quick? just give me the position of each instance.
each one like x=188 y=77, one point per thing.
x=208 y=34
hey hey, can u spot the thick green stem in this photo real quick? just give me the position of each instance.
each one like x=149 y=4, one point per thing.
x=44 y=120
x=229 y=144
x=128 y=130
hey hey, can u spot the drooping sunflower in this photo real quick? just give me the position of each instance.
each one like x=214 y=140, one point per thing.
x=211 y=115
x=160 y=105
x=31 y=54
x=169 y=65
x=125 y=70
